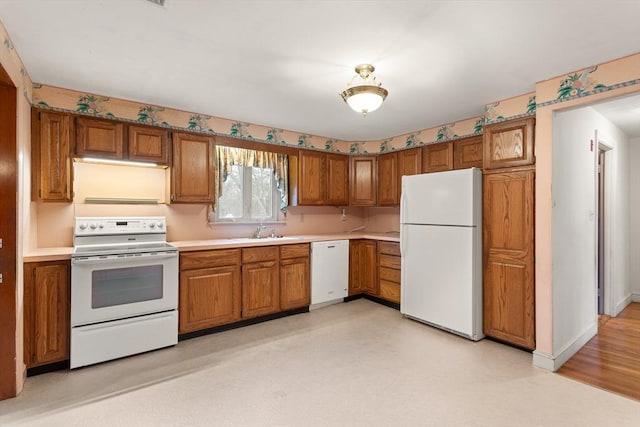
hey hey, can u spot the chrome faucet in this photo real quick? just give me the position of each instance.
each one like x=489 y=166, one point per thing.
x=259 y=230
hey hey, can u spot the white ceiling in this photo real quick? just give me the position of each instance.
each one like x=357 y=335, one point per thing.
x=283 y=63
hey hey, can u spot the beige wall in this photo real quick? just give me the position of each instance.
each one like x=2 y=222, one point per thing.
x=184 y=221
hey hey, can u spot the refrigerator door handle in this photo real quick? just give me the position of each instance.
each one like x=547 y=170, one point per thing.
x=402 y=211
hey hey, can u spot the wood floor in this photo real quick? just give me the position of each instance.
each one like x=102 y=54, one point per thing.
x=611 y=360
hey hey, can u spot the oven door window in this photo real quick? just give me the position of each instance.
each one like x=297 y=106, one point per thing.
x=118 y=286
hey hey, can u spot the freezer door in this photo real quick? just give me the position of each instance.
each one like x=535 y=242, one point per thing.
x=441 y=279
x=444 y=198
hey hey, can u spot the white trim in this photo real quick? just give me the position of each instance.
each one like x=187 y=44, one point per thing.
x=543 y=360
x=609 y=255
x=622 y=305
x=553 y=363
x=635 y=296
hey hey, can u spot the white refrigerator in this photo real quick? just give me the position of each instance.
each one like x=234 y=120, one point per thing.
x=441 y=245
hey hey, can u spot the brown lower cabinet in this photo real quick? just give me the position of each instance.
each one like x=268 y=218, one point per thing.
x=508 y=233
x=295 y=274
x=362 y=267
x=260 y=285
x=224 y=286
x=209 y=289
x=47 y=290
x=389 y=271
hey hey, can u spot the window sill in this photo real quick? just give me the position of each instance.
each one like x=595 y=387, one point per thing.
x=254 y=223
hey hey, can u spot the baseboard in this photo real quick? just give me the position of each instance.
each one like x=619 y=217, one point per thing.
x=635 y=296
x=553 y=363
x=622 y=305
x=543 y=360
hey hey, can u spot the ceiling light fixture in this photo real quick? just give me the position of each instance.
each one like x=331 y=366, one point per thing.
x=366 y=96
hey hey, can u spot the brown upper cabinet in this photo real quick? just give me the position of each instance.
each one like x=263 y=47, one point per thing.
x=437 y=157
x=51 y=171
x=192 y=175
x=99 y=138
x=388 y=179
x=409 y=163
x=467 y=152
x=108 y=139
x=509 y=144
x=318 y=178
x=337 y=180
x=148 y=144
x=363 y=181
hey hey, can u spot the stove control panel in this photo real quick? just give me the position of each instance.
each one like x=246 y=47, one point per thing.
x=88 y=226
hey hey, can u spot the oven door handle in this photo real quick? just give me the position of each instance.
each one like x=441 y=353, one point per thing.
x=94 y=261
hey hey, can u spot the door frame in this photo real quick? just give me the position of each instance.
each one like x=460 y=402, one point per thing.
x=608 y=249
x=8 y=233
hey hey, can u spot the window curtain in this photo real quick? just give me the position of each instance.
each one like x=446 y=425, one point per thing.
x=229 y=156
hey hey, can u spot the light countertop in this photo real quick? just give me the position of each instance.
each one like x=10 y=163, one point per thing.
x=64 y=253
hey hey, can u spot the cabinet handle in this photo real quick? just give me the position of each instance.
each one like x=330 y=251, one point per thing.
x=267 y=264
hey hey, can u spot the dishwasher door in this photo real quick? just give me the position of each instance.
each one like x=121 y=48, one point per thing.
x=329 y=271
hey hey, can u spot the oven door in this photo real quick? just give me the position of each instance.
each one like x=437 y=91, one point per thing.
x=119 y=286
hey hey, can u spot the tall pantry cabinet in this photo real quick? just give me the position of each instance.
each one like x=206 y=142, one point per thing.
x=508 y=232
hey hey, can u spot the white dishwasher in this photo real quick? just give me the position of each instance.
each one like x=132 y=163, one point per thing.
x=329 y=272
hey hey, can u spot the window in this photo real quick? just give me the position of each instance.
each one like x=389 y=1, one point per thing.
x=249 y=194
x=251 y=185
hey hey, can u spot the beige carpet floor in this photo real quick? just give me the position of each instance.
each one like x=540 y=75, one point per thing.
x=352 y=364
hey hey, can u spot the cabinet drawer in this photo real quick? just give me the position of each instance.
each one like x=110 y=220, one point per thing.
x=389 y=261
x=206 y=259
x=294 y=251
x=389 y=248
x=265 y=253
x=390 y=291
x=389 y=274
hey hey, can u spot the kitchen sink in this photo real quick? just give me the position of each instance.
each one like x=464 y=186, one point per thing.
x=264 y=239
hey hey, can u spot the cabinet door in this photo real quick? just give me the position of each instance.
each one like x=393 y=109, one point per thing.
x=508 y=144
x=362 y=267
x=192 y=175
x=508 y=228
x=355 y=269
x=99 y=138
x=260 y=289
x=409 y=163
x=437 y=157
x=295 y=288
x=337 y=180
x=388 y=179
x=467 y=153
x=51 y=163
x=46 y=312
x=148 y=144
x=312 y=179
x=363 y=181
x=209 y=297
x=368 y=267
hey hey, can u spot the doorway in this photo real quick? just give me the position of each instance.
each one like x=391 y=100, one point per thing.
x=601 y=231
x=604 y=215
x=8 y=212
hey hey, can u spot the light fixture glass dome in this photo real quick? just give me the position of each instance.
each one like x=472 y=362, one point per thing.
x=366 y=96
